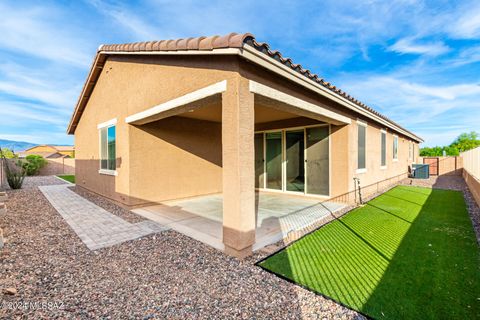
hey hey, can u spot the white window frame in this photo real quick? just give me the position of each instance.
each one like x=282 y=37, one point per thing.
x=395 y=156
x=383 y=132
x=410 y=150
x=105 y=125
x=363 y=124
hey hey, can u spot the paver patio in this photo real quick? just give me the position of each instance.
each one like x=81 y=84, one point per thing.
x=95 y=226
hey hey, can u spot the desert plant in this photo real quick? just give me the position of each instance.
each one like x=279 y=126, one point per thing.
x=33 y=163
x=16 y=175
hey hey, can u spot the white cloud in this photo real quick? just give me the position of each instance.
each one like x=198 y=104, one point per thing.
x=29 y=114
x=31 y=30
x=409 y=46
x=127 y=19
x=40 y=137
x=467 y=25
x=47 y=84
x=438 y=113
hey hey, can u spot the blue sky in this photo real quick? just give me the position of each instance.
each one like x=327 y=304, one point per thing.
x=417 y=62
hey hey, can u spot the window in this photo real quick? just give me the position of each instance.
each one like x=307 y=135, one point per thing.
x=383 y=160
x=108 y=147
x=395 y=147
x=362 y=137
x=410 y=150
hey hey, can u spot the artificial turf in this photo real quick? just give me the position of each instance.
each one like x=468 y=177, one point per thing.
x=410 y=253
x=69 y=178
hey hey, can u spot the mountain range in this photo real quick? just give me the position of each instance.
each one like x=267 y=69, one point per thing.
x=16 y=145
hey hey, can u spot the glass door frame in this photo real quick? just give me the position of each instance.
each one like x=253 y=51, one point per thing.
x=284 y=164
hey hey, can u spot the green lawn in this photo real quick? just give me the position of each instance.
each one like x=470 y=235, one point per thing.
x=411 y=253
x=69 y=178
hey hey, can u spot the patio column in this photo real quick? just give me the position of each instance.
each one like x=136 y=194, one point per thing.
x=238 y=168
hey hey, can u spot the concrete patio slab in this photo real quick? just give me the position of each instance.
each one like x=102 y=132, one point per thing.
x=277 y=215
x=95 y=226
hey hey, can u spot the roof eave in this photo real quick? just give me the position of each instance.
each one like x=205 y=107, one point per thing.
x=247 y=52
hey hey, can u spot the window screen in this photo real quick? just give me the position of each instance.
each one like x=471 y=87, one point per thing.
x=362 y=130
x=395 y=147
x=108 y=148
x=384 y=149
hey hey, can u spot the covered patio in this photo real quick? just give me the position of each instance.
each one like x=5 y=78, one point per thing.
x=277 y=215
x=249 y=163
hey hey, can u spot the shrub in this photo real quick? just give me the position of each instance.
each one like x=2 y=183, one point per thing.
x=15 y=175
x=33 y=164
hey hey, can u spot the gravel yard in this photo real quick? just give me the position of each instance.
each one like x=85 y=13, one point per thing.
x=166 y=275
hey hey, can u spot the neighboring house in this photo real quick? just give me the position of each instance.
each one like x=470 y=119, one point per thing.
x=181 y=118
x=50 y=152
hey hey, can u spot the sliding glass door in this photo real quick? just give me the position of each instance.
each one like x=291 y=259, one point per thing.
x=318 y=166
x=273 y=152
x=294 y=160
x=259 y=161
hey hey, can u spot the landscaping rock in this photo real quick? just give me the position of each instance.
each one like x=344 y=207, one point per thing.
x=166 y=275
x=9 y=291
x=2 y=239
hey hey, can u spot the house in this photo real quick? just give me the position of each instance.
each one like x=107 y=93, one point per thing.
x=179 y=119
x=50 y=151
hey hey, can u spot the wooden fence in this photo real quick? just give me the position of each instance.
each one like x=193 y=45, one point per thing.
x=58 y=166
x=440 y=166
x=471 y=162
x=471 y=171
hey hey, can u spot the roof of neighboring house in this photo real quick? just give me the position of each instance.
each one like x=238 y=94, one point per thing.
x=57 y=148
x=64 y=148
x=205 y=44
x=45 y=154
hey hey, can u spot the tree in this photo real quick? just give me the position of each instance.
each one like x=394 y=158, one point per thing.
x=8 y=154
x=15 y=175
x=33 y=164
x=463 y=142
x=466 y=141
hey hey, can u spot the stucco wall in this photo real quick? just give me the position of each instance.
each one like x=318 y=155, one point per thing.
x=343 y=148
x=175 y=158
x=168 y=159
x=128 y=85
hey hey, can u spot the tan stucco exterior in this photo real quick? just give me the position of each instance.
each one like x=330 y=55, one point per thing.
x=209 y=150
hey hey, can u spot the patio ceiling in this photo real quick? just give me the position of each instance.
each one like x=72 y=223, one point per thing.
x=270 y=105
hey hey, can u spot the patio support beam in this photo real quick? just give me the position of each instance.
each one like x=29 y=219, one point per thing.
x=238 y=168
x=302 y=107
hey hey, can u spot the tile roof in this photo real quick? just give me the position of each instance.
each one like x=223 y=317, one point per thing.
x=231 y=40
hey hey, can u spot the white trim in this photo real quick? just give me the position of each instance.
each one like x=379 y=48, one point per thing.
x=277 y=95
x=383 y=167
x=109 y=123
x=364 y=170
x=383 y=131
x=362 y=123
x=108 y=172
x=142 y=117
